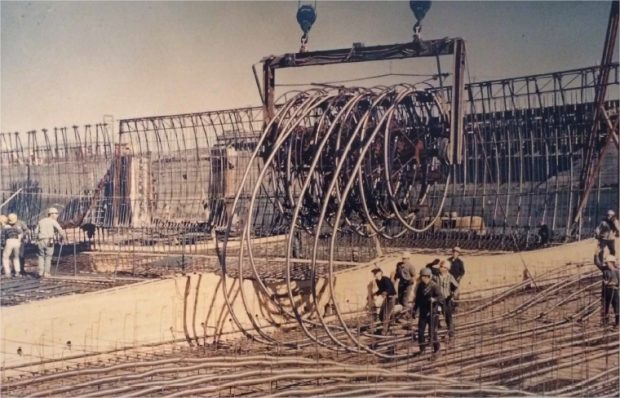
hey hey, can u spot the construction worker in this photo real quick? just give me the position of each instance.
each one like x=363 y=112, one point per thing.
x=405 y=274
x=3 y=221
x=45 y=235
x=12 y=237
x=26 y=237
x=449 y=286
x=457 y=268
x=606 y=234
x=429 y=300
x=387 y=291
x=544 y=234
x=611 y=281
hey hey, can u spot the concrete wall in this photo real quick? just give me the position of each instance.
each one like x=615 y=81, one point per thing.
x=153 y=311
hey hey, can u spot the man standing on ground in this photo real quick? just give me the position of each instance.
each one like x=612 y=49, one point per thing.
x=45 y=234
x=405 y=274
x=25 y=239
x=386 y=289
x=611 y=281
x=12 y=237
x=457 y=269
x=449 y=287
x=427 y=298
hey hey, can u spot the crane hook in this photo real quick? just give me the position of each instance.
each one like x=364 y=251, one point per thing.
x=419 y=8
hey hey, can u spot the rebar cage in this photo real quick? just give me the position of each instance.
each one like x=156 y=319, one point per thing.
x=524 y=142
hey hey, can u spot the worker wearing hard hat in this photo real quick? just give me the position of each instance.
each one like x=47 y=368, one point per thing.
x=429 y=299
x=405 y=274
x=46 y=234
x=457 y=269
x=12 y=237
x=449 y=288
x=611 y=281
x=606 y=234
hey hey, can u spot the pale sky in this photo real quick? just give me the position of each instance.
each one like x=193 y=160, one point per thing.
x=65 y=63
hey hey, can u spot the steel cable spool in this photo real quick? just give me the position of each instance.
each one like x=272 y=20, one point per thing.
x=313 y=160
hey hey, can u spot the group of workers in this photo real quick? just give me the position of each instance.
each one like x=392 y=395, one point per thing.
x=438 y=286
x=15 y=235
x=434 y=293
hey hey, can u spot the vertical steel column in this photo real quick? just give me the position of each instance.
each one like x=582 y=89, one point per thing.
x=269 y=86
x=588 y=174
x=456 y=112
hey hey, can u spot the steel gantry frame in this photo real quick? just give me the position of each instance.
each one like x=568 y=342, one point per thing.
x=359 y=53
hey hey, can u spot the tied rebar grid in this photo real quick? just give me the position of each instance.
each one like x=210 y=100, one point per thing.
x=520 y=341
x=24 y=290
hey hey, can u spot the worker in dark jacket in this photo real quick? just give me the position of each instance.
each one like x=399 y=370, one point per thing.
x=457 y=268
x=387 y=291
x=428 y=299
x=611 y=281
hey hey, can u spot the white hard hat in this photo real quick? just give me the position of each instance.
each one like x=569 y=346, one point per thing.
x=611 y=213
x=52 y=210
